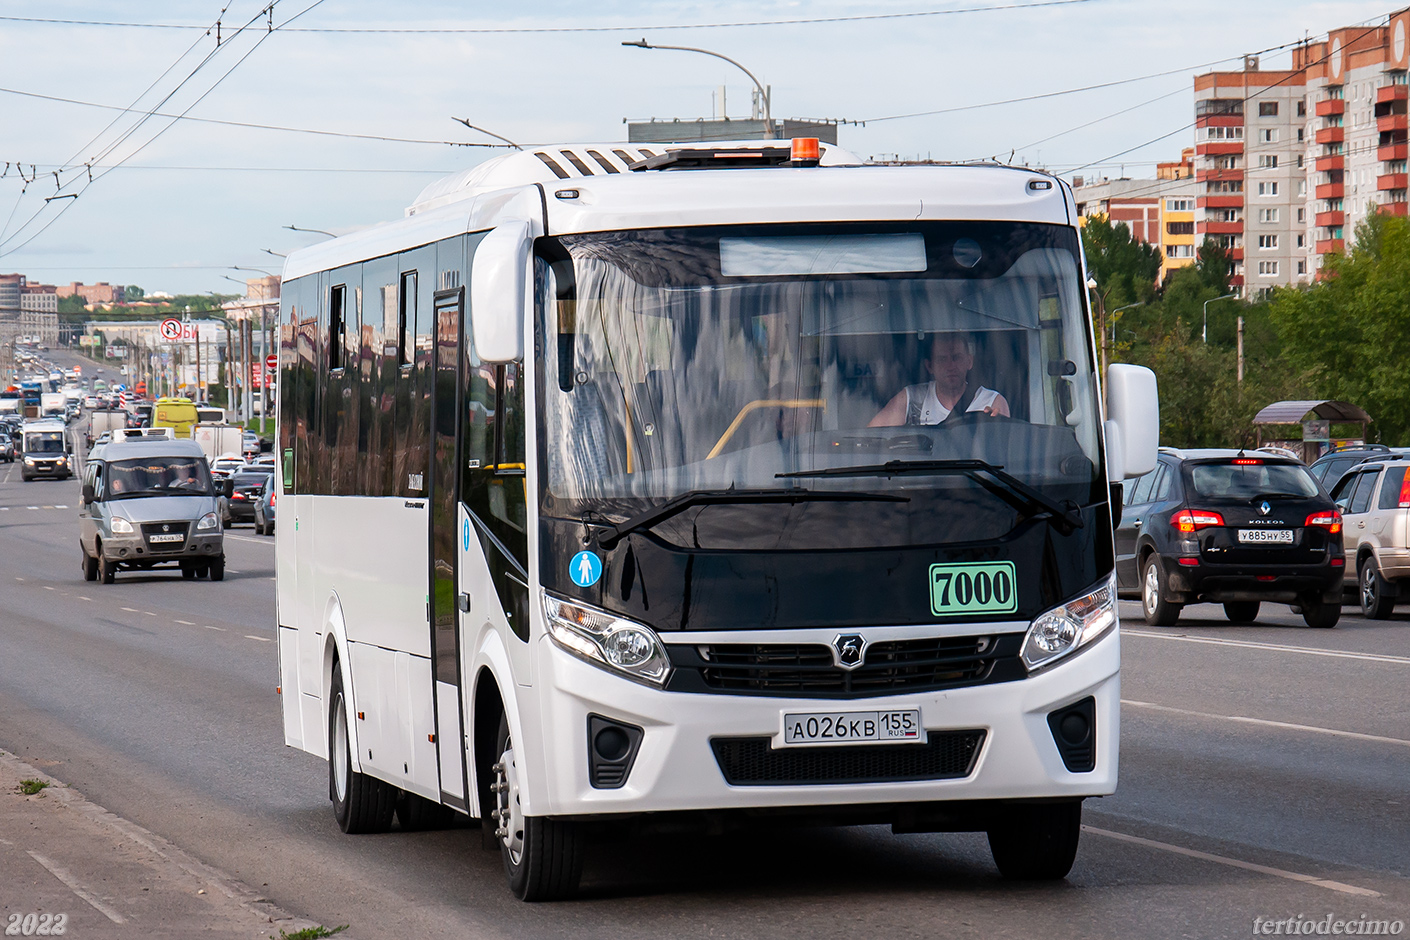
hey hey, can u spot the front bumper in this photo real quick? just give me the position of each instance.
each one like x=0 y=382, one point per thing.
x=676 y=768
x=133 y=549
x=58 y=471
x=1289 y=584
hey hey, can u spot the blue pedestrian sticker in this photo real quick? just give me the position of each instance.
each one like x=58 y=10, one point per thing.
x=585 y=569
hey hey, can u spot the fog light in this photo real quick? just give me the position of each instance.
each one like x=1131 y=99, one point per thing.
x=612 y=749
x=1074 y=731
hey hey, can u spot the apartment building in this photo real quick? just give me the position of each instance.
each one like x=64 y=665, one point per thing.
x=1356 y=82
x=1158 y=211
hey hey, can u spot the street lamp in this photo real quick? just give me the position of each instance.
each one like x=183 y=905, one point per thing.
x=316 y=231
x=763 y=92
x=1139 y=303
x=1204 y=333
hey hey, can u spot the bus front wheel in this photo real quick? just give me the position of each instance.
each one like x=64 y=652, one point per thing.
x=1036 y=842
x=543 y=857
x=360 y=803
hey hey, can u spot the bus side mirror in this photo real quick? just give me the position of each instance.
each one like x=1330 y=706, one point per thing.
x=1133 y=422
x=499 y=275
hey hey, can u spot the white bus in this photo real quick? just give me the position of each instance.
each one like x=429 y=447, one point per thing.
x=716 y=486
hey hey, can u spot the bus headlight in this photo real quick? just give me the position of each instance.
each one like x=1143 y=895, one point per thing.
x=1058 y=632
x=208 y=521
x=121 y=526
x=606 y=640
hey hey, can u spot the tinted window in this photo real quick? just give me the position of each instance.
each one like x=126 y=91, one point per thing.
x=1161 y=490
x=159 y=476
x=249 y=479
x=1361 y=499
x=1141 y=491
x=1391 y=488
x=1246 y=481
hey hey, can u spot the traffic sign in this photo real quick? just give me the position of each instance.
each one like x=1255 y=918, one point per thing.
x=271 y=363
x=171 y=329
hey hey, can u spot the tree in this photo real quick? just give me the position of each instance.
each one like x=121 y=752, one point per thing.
x=1214 y=264
x=73 y=303
x=1125 y=269
x=133 y=292
x=1349 y=334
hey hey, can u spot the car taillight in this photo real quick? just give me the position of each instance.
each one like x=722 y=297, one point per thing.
x=1247 y=462
x=272 y=498
x=1405 y=491
x=1331 y=521
x=1190 y=520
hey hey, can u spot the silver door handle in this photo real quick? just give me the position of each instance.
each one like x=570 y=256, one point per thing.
x=463 y=601
x=1137 y=523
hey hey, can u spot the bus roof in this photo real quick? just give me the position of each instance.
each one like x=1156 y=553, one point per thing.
x=669 y=198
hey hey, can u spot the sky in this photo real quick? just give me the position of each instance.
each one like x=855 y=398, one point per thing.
x=191 y=206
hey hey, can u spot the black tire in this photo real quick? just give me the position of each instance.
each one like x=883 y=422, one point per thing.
x=90 y=567
x=418 y=814
x=107 y=570
x=1319 y=614
x=1241 y=611
x=1373 y=591
x=1159 y=612
x=1036 y=842
x=217 y=569
x=360 y=803
x=549 y=860
x=188 y=572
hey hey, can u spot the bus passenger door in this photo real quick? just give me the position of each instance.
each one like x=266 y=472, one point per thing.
x=445 y=538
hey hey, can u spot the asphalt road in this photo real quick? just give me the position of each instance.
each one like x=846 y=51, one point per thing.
x=1264 y=773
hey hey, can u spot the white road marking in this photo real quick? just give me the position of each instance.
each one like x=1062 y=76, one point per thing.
x=1236 y=863
x=19 y=579
x=31 y=507
x=73 y=885
x=186 y=623
x=246 y=538
x=48 y=588
x=62 y=507
x=1379 y=739
x=1272 y=647
x=149 y=613
x=130 y=610
x=209 y=627
x=82 y=598
x=262 y=639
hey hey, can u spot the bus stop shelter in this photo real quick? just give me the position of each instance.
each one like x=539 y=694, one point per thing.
x=1308 y=414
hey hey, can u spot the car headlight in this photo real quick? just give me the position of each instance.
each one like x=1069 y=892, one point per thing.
x=1062 y=630
x=29 y=460
x=63 y=459
x=208 y=521
x=121 y=526
x=606 y=640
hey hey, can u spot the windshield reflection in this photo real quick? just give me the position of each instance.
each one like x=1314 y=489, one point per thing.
x=822 y=347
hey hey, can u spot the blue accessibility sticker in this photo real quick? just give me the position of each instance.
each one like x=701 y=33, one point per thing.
x=585 y=569
x=465 y=535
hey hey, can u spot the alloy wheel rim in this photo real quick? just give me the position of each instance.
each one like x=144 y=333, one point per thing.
x=511 y=815
x=1152 y=589
x=1368 y=588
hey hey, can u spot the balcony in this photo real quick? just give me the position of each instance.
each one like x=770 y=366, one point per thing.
x=1219 y=120
x=1390 y=151
x=1330 y=219
x=1330 y=135
x=1332 y=162
x=1327 y=246
x=1331 y=106
x=1220 y=173
x=1394 y=208
x=1236 y=254
x=1331 y=191
x=1392 y=93
x=1221 y=228
x=1216 y=147
x=1236 y=280
x=1390 y=181
x=1391 y=122
x=1221 y=201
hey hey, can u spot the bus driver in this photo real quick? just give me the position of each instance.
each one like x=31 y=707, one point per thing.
x=949 y=391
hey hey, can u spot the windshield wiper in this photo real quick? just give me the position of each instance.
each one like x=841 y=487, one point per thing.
x=678 y=504
x=992 y=477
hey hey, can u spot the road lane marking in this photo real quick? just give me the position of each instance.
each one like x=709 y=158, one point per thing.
x=48 y=588
x=65 y=506
x=1272 y=647
x=73 y=885
x=130 y=610
x=31 y=507
x=1379 y=739
x=149 y=613
x=209 y=627
x=246 y=538
x=88 y=599
x=186 y=623
x=262 y=639
x=1235 y=863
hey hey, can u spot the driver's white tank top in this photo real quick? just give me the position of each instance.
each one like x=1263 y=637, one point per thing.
x=922 y=397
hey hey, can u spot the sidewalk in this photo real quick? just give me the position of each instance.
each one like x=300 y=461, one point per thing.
x=106 y=877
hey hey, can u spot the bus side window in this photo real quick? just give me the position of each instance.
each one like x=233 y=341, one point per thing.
x=335 y=326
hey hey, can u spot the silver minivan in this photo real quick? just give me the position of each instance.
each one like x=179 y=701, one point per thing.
x=148 y=500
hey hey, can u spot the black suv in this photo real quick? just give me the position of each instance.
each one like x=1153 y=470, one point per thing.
x=1230 y=527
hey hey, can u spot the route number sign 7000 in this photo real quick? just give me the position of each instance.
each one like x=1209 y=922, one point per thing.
x=984 y=587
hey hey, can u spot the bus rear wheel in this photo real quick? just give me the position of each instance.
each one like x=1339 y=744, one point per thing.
x=1036 y=842
x=360 y=803
x=543 y=857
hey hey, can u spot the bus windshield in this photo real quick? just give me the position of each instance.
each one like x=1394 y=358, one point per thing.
x=760 y=357
x=44 y=442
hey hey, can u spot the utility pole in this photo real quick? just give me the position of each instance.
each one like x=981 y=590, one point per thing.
x=1241 y=350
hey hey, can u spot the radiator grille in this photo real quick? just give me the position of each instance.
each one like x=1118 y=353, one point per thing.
x=754 y=762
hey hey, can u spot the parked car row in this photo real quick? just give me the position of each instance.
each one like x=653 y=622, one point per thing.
x=1244 y=528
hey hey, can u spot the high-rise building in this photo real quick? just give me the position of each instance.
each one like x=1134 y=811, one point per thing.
x=1160 y=212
